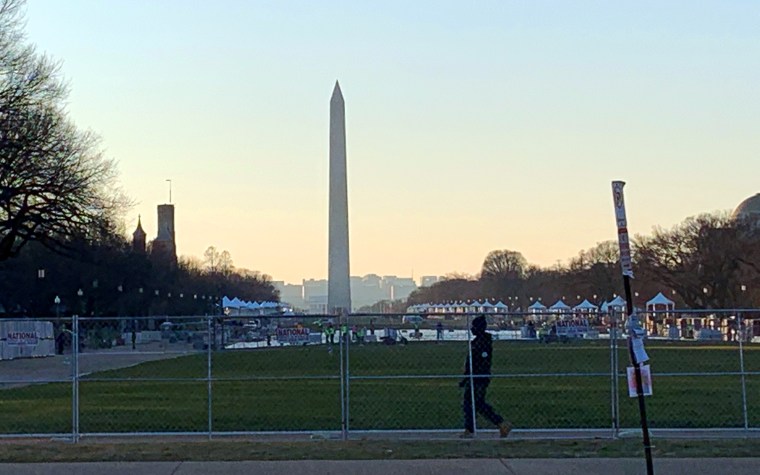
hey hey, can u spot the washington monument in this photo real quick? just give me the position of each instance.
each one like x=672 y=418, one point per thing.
x=338 y=280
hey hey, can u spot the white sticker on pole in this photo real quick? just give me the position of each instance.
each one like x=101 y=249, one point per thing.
x=638 y=350
x=622 y=225
x=646 y=381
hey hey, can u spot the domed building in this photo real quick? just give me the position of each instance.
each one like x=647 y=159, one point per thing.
x=749 y=210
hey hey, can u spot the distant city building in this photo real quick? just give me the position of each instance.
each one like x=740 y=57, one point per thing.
x=428 y=280
x=317 y=305
x=311 y=295
x=292 y=294
x=398 y=288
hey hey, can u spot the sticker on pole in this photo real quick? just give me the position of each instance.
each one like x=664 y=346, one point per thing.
x=622 y=224
x=646 y=381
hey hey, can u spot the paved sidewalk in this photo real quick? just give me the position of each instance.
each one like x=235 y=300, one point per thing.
x=747 y=466
x=26 y=371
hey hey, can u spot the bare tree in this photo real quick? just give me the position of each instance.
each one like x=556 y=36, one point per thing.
x=55 y=184
x=211 y=260
x=705 y=259
x=225 y=263
x=596 y=271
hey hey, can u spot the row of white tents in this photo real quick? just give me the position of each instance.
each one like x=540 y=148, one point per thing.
x=657 y=303
x=235 y=306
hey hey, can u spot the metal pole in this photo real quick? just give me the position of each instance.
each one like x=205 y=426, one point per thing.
x=741 y=367
x=472 y=378
x=348 y=381
x=626 y=263
x=617 y=375
x=613 y=375
x=75 y=378
x=343 y=416
x=208 y=377
x=639 y=386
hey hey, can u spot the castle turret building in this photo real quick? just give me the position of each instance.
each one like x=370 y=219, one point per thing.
x=138 y=238
x=164 y=248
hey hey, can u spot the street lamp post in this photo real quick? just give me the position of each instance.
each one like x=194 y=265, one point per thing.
x=134 y=320
x=57 y=301
x=34 y=299
x=122 y=321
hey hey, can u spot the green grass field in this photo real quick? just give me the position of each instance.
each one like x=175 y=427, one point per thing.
x=393 y=387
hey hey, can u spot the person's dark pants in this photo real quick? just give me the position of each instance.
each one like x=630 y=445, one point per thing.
x=481 y=406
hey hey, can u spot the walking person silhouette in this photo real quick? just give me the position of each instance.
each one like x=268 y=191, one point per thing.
x=476 y=381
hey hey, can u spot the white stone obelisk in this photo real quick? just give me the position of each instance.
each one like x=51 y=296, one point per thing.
x=338 y=276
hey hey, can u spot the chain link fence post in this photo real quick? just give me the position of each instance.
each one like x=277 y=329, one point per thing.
x=209 y=388
x=346 y=340
x=75 y=379
x=614 y=376
x=471 y=385
x=740 y=334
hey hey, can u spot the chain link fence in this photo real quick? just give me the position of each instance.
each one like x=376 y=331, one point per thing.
x=242 y=374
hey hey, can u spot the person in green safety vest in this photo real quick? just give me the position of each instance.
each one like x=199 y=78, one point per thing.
x=344 y=332
x=360 y=335
x=330 y=334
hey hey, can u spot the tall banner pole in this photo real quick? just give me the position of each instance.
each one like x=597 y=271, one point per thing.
x=635 y=342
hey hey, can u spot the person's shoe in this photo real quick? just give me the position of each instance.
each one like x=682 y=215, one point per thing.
x=504 y=429
x=467 y=434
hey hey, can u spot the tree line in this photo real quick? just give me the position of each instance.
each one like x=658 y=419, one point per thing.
x=708 y=261
x=110 y=279
x=62 y=244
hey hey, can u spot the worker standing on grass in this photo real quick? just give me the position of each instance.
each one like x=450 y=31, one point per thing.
x=476 y=381
x=330 y=334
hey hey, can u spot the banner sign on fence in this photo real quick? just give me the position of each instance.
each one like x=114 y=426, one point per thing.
x=646 y=381
x=622 y=225
x=26 y=339
x=23 y=338
x=293 y=336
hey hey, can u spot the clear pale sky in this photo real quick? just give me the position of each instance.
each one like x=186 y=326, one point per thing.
x=471 y=126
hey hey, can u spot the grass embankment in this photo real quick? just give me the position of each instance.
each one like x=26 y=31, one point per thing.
x=27 y=452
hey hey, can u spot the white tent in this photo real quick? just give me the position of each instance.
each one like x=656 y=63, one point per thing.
x=660 y=304
x=660 y=299
x=559 y=305
x=537 y=306
x=537 y=309
x=617 y=304
x=585 y=306
x=501 y=306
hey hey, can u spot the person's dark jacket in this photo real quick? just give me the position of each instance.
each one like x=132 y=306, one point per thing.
x=482 y=348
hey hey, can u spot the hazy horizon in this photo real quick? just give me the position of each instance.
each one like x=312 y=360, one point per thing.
x=496 y=126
